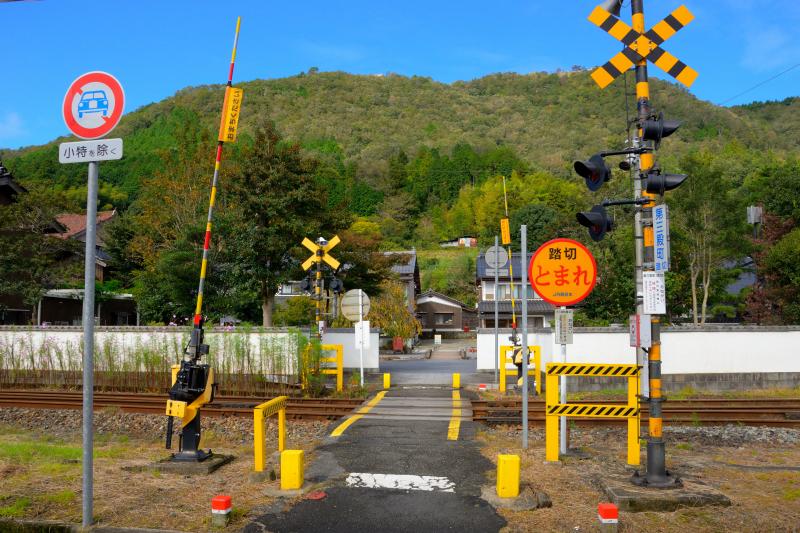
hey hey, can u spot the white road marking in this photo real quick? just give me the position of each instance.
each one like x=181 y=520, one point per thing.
x=400 y=481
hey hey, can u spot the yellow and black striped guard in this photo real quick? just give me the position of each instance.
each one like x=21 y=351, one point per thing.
x=638 y=46
x=569 y=369
x=593 y=410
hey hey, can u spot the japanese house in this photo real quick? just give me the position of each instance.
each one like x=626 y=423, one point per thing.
x=540 y=313
x=439 y=312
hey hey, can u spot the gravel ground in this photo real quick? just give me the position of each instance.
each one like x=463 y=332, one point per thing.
x=65 y=423
x=728 y=435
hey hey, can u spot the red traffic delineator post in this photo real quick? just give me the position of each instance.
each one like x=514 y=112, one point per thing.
x=608 y=515
x=221 y=510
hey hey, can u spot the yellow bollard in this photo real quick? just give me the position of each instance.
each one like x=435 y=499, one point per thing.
x=387 y=380
x=507 y=476
x=456 y=381
x=291 y=469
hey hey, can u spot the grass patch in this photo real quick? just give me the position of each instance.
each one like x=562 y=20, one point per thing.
x=29 y=452
x=62 y=497
x=617 y=393
x=683 y=446
x=791 y=494
x=16 y=509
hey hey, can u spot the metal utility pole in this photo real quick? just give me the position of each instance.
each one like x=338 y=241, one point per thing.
x=496 y=318
x=524 y=300
x=88 y=345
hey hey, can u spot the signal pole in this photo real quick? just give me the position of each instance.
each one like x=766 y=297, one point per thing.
x=656 y=470
x=640 y=46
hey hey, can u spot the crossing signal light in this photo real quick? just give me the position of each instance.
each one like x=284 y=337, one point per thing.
x=655 y=129
x=307 y=284
x=658 y=183
x=598 y=222
x=594 y=171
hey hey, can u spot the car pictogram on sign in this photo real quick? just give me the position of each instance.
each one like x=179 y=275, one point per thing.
x=93 y=105
x=93 y=102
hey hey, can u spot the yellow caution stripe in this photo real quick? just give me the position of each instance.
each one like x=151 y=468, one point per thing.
x=577 y=369
x=361 y=412
x=455 y=422
x=593 y=410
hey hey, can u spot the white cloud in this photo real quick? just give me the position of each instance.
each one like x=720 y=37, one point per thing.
x=11 y=126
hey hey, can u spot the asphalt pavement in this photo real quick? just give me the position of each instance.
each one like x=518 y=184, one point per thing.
x=411 y=464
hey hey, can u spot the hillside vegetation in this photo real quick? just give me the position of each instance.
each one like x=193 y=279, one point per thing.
x=406 y=161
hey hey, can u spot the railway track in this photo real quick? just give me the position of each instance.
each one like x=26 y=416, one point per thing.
x=712 y=411
x=752 y=412
x=306 y=408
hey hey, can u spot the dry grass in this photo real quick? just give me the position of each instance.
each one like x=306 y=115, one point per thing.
x=762 y=501
x=41 y=479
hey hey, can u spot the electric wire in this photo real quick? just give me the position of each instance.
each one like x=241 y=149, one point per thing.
x=757 y=85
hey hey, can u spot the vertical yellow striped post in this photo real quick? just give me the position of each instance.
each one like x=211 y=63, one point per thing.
x=551 y=421
x=507 y=476
x=387 y=380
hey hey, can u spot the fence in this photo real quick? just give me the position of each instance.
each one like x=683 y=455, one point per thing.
x=139 y=359
x=505 y=360
x=260 y=413
x=554 y=409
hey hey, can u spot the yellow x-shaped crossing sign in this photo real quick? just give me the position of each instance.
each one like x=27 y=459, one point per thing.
x=320 y=252
x=640 y=46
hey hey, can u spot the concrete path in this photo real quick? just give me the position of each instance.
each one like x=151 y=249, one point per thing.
x=405 y=461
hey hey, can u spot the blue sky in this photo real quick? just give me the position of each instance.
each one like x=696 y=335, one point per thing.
x=158 y=47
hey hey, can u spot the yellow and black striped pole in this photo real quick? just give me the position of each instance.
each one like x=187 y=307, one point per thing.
x=656 y=472
x=198 y=312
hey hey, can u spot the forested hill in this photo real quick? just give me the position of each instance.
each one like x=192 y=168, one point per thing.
x=546 y=119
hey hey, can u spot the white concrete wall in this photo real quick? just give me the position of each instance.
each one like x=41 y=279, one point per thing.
x=709 y=350
x=346 y=337
x=135 y=349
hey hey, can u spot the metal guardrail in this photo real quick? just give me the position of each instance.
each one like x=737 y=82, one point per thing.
x=260 y=414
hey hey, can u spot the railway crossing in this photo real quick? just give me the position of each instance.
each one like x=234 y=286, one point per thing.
x=396 y=469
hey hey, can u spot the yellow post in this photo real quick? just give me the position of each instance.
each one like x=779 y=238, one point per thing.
x=551 y=421
x=387 y=380
x=339 y=367
x=291 y=469
x=634 y=450
x=281 y=429
x=258 y=440
x=507 y=476
x=456 y=381
x=503 y=363
x=537 y=367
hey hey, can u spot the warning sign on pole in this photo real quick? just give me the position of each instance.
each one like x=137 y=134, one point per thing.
x=230 y=116
x=562 y=272
x=655 y=293
x=505 y=231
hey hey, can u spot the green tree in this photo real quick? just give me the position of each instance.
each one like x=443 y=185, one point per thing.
x=273 y=202
x=389 y=311
x=709 y=217
x=32 y=259
x=783 y=268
